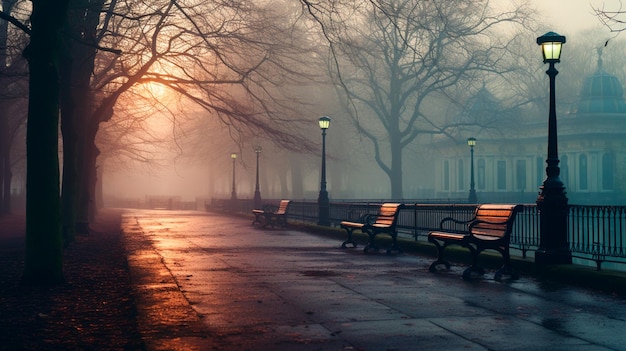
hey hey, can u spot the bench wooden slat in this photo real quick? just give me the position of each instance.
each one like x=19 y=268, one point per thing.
x=486 y=237
x=446 y=235
x=351 y=224
x=282 y=208
x=494 y=219
x=384 y=221
x=496 y=233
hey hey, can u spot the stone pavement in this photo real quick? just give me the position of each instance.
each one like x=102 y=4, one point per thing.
x=203 y=281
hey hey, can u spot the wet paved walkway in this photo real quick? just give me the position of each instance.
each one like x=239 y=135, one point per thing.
x=222 y=284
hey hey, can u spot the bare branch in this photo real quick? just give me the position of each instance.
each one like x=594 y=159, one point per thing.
x=14 y=21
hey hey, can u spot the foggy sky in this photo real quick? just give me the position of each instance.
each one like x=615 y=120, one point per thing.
x=566 y=17
x=570 y=16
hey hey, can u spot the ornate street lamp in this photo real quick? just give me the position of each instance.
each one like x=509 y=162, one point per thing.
x=322 y=201
x=471 y=142
x=552 y=201
x=257 y=191
x=233 y=194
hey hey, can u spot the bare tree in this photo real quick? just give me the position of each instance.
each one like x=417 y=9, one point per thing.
x=612 y=17
x=229 y=60
x=226 y=58
x=393 y=56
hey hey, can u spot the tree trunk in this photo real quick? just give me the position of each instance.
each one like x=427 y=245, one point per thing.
x=44 y=247
x=90 y=178
x=395 y=175
x=77 y=111
x=7 y=176
x=5 y=163
x=99 y=196
x=297 y=187
x=5 y=140
x=70 y=172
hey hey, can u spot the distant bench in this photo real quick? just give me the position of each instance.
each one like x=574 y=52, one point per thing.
x=490 y=228
x=382 y=223
x=270 y=218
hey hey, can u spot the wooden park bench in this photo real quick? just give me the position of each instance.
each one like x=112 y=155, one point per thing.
x=382 y=223
x=267 y=217
x=490 y=228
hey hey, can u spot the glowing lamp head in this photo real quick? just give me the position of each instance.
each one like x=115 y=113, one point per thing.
x=324 y=122
x=233 y=155
x=551 y=44
x=471 y=142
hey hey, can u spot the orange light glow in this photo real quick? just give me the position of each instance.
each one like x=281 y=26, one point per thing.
x=155 y=90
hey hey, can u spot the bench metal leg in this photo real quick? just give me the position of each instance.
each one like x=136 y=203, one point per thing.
x=506 y=268
x=433 y=266
x=281 y=221
x=440 y=259
x=369 y=247
x=257 y=218
x=273 y=221
x=349 y=239
x=394 y=245
x=469 y=272
x=474 y=268
x=371 y=244
x=267 y=220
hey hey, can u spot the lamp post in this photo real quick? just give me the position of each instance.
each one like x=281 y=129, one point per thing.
x=552 y=201
x=257 y=191
x=471 y=142
x=322 y=201
x=233 y=194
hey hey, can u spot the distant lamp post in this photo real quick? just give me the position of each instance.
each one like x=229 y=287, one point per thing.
x=322 y=201
x=472 y=199
x=552 y=201
x=233 y=194
x=257 y=191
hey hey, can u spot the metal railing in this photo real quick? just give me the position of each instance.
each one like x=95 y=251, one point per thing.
x=596 y=233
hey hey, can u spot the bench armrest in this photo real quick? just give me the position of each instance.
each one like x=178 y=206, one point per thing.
x=369 y=218
x=480 y=221
x=453 y=220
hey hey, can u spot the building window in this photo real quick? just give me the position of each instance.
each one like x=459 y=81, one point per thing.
x=582 y=172
x=564 y=170
x=541 y=171
x=520 y=175
x=446 y=175
x=461 y=180
x=481 y=174
x=608 y=171
x=501 y=175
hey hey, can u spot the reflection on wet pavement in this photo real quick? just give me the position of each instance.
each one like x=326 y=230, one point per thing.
x=289 y=290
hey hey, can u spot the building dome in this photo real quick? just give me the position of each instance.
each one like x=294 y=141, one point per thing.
x=481 y=107
x=601 y=93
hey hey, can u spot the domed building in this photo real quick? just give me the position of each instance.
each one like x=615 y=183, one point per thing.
x=510 y=166
x=601 y=93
